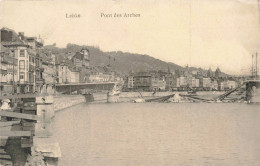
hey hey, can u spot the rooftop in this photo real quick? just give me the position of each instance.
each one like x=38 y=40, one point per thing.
x=2 y=48
x=79 y=55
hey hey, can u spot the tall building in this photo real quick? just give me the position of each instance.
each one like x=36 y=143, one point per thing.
x=35 y=61
x=23 y=50
x=8 y=66
x=80 y=63
x=62 y=70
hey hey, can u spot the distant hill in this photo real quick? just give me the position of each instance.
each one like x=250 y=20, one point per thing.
x=121 y=62
x=126 y=62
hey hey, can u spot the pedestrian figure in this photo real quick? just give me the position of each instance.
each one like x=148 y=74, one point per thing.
x=5 y=107
x=154 y=92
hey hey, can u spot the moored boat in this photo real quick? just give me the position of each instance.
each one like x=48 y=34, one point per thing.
x=192 y=92
x=88 y=97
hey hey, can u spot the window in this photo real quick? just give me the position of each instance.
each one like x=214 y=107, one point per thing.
x=21 y=64
x=37 y=62
x=22 y=53
x=21 y=75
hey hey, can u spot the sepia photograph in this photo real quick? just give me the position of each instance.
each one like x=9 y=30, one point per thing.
x=129 y=83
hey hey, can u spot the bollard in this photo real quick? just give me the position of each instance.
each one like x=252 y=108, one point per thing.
x=45 y=109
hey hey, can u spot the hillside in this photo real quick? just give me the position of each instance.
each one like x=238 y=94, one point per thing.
x=121 y=62
x=136 y=62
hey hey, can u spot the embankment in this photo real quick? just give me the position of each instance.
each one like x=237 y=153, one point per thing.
x=65 y=101
x=144 y=94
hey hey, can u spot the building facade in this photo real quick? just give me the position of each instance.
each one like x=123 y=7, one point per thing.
x=195 y=82
x=62 y=70
x=72 y=76
x=130 y=82
x=158 y=83
x=22 y=49
x=206 y=82
x=8 y=66
x=81 y=59
x=142 y=81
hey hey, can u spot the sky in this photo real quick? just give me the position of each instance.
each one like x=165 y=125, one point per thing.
x=199 y=33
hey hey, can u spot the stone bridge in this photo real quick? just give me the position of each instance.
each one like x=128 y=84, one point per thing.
x=69 y=88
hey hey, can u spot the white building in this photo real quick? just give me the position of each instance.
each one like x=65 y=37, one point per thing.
x=72 y=76
x=195 y=82
x=62 y=70
x=228 y=85
x=100 y=77
x=206 y=82
x=214 y=85
x=158 y=83
x=19 y=52
x=130 y=82
x=231 y=84
x=183 y=81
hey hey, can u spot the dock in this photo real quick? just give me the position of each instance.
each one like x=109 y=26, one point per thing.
x=26 y=131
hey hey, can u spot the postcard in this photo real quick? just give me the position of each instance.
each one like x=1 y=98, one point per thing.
x=129 y=83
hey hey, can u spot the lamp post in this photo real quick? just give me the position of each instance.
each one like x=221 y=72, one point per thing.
x=34 y=73
x=12 y=50
x=1 y=86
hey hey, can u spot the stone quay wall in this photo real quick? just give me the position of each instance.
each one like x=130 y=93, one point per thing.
x=65 y=101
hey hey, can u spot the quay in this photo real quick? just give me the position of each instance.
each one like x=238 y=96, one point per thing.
x=26 y=129
x=26 y=132
x=26 y=124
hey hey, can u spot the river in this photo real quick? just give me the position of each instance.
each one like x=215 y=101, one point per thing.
x=159 y=134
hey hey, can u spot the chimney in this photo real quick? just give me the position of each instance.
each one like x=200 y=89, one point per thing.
x=21 y=35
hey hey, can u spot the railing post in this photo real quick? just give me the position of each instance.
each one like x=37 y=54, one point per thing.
x=45 y=109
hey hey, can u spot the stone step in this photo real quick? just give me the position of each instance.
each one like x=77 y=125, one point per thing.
x=5 y=159
x=6 y=163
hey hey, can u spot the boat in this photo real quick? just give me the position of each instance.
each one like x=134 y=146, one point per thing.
x=88 y=97
x=192 y=92
x=139 y=100
x=88 y=94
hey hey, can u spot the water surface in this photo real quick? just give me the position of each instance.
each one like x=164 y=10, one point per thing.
x=145 y=134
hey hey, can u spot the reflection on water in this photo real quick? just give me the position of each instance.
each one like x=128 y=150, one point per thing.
x=146 y=134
